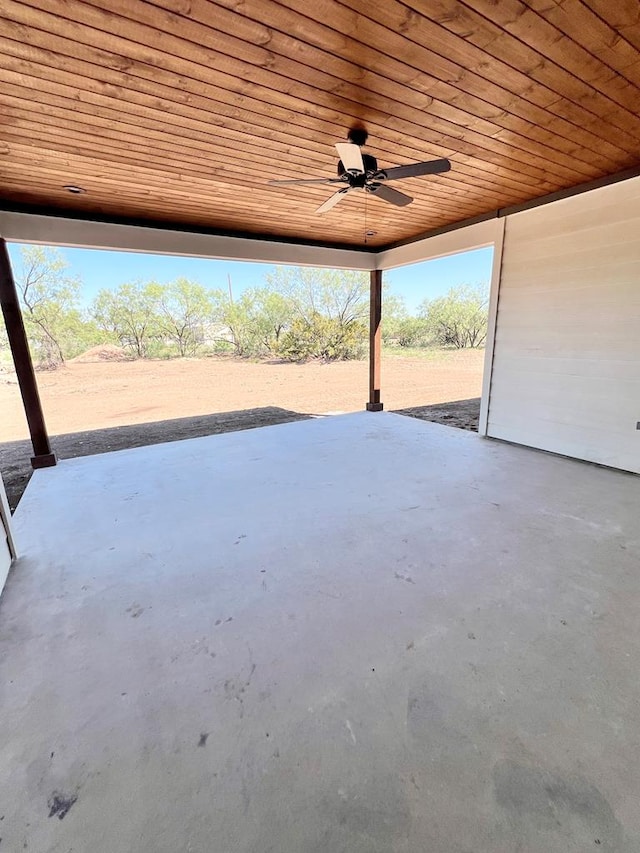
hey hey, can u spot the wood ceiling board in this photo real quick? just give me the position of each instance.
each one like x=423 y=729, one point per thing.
x=114 y=116
x=623 y=16
x=416 y=31
x=451 y=187
x=486 y=148
x=585 y=28
x=24 y=142
x=489 y=100
x=183 y=111
x=571 y=70
x=280 y=46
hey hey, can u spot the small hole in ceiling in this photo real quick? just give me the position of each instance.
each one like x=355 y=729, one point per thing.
x=73 y=188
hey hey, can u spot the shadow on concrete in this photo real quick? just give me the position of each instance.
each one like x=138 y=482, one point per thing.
x=463 y=414
x=15 y=456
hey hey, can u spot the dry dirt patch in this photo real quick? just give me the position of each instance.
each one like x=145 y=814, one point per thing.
x=95 y=395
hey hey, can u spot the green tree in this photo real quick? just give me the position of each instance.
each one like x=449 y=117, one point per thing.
x=80 y=333
x=458 y=319
x=238 y=322
x=49 y=299
x=185 y=310
x=341 y=295
x=412 y=332
x=323 y=302
x=323 y=337
x=255 y=321
x=394 y=313
x=276 y=313
x=132 y=313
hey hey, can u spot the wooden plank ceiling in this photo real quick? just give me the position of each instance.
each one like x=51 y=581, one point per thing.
x=181 y=110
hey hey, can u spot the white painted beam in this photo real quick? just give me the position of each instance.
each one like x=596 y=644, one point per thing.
x=79 y=233
x=59 y=231
x=463 y=239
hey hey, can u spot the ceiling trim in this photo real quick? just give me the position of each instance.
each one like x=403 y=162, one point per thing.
x=586 y=187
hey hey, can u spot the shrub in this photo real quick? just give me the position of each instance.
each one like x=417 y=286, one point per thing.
x=324 y=338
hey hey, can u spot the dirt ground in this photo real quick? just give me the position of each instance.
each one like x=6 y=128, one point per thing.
x=463 y=414
x=102 y=406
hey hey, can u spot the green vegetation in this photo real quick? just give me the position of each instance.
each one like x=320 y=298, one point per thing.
x=458 y=319
x=49 y=299
x=298 y=314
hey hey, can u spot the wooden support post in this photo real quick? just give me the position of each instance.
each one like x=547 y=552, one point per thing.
x=42 y=455
x=375 y=339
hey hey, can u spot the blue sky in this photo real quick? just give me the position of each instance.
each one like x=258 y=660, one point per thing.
x=99 y=269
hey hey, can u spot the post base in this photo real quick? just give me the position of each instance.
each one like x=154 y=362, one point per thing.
x=374 y=407
x=47 y=460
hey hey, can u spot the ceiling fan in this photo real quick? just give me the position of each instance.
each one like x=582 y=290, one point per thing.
x=360 y=172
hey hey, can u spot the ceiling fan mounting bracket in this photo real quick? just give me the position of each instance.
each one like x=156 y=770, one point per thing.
x=358 y=136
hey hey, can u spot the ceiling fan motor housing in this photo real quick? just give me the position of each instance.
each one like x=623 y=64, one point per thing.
x=370 y=169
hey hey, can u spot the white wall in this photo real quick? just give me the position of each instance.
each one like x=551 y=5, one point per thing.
x=566 y=367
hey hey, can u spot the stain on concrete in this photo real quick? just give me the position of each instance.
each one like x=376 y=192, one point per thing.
x=236 y=689
x=203 y=739
x=135 y=610
x=443 y=731
x=374 y=815
x=537 y=800
x=60 y=804
x=406 y=578
x=471 y=635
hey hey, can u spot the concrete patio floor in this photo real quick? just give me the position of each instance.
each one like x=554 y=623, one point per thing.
x=360 y=634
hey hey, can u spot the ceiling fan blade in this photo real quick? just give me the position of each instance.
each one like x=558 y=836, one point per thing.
x=332 y=200
x=295 y=182
x=390 y=195
x=351 y=157
x=414 y=170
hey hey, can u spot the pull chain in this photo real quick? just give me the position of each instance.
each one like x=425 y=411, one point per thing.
x=366 y=230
